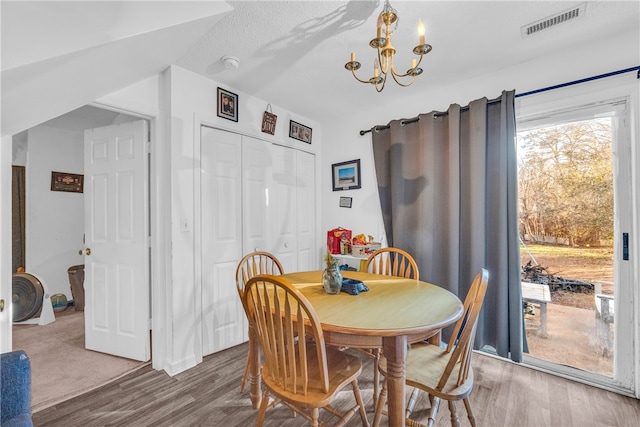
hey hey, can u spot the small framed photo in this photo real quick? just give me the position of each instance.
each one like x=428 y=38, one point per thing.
x=345 y=202
x=346 y=175
x=69 y=182
x=299 y=132
x=227 y=105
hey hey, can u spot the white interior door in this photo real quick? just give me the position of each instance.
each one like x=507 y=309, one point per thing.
x=116 y=239
x=223 y=319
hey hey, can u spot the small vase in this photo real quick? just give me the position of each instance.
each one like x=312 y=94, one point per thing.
x=332 y=280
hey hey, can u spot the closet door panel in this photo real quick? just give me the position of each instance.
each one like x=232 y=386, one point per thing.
x=306 y=211
x=223 y=320
x=282 y=207
x=256 y=171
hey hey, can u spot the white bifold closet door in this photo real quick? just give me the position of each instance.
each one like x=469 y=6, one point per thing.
x=254 y=196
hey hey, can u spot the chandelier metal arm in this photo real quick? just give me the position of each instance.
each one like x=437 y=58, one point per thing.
x=396 y=77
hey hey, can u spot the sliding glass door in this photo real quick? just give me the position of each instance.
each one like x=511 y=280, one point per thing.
x=576 y=212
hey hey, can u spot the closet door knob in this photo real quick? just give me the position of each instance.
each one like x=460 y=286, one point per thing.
x=87 y=251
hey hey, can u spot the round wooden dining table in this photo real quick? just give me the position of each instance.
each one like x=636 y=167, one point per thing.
x=393 y=312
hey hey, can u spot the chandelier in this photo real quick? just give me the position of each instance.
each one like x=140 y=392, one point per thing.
x=383 y=64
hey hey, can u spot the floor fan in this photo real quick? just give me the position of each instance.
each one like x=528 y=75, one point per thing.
x=30 y=296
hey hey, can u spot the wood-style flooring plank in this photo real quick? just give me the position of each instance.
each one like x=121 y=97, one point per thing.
x=505 y=394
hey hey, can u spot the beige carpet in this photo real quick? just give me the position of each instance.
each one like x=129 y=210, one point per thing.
x=61 y=367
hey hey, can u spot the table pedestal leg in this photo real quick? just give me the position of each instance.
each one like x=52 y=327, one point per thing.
x=254 y=368
x=395 y=351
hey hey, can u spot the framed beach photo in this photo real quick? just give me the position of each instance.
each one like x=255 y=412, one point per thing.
x=346 y=175
x=299 y=131
x=227 y=105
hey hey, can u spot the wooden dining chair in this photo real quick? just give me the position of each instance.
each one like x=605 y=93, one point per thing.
x=298 y=368
x=388 y=262
x=251 y=265
x=392 y=262
x=444 y=373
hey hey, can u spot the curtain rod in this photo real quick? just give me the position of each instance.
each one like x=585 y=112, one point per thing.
x=415 y=119
x=574 y=82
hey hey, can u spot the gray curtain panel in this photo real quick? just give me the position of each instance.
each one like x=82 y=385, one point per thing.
x=448 y=190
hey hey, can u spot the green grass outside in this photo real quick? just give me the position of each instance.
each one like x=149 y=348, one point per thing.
x=603 y=253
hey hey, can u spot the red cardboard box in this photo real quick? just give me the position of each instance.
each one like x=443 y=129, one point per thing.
x=335 y=236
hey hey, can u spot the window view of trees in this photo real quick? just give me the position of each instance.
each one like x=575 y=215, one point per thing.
x=566 y=183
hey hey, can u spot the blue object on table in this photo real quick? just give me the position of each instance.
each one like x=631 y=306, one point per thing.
x=353 y=287
x=15 y=390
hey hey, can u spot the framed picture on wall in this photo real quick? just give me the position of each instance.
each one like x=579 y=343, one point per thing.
x=345 y=202
x=299 y=131
x=69 y=182
x=346 y=175
x=227 y=105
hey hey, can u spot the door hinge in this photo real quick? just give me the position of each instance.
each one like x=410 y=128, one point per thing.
x=147 y=146
x=625 y=246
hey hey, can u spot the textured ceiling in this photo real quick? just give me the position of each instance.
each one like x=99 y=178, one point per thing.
x=293 y=53
x=58 y=56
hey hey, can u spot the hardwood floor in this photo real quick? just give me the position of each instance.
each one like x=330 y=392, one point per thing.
x=505 y=394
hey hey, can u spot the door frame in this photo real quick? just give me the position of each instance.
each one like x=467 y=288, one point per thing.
x=158 y=204
x=6 y=342
x=568 y=98
x=158 y=208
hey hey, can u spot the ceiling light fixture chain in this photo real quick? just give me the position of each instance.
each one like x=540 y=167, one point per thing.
x=383 y=63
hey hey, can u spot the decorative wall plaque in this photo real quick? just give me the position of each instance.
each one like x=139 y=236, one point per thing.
x=269 y=121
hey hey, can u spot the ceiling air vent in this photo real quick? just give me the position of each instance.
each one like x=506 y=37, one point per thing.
x=554 y=20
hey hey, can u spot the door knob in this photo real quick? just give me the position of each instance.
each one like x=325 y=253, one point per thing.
x=1 y=305
x=87 y=251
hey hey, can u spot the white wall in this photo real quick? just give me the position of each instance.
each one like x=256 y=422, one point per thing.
x=342 y=141
x=54 y=219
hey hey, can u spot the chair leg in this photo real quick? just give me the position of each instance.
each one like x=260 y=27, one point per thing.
x=314 y=417
x=382 y=399
x=455 y=421
x=472 y=418
x=358 y=396
x=376 y=375
x=433 y=411
x=264 y=404
x=412 y=402
x=244 y=376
